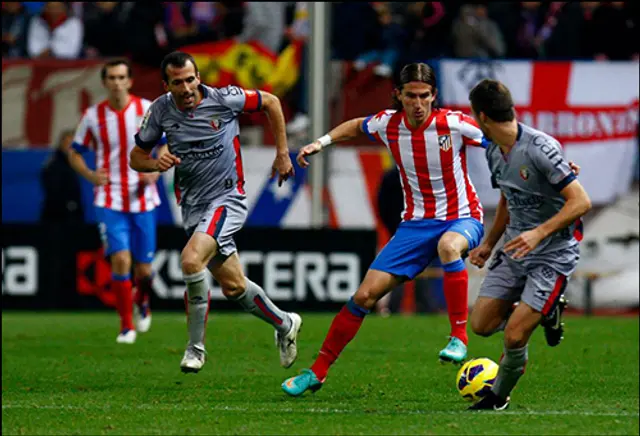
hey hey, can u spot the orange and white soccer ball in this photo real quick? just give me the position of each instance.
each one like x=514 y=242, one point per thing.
x=476 y=377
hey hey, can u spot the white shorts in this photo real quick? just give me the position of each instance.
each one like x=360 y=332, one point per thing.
x=220 y=219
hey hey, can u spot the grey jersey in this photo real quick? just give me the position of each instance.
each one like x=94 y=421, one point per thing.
x=531 y=177
x=205 y=139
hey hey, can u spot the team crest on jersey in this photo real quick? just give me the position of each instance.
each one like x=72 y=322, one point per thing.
x=216 y=123
x=524 y=172
x=445 y=142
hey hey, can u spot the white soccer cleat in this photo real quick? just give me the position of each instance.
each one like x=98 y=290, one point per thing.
x=142 y=317
x=126 y=337
x=287 y=344
x=193 y=360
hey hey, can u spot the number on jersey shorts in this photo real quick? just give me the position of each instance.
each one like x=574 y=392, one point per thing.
x=221 y=219
x=536 y=284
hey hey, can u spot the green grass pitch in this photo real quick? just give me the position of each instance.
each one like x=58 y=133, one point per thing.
x=63 y=373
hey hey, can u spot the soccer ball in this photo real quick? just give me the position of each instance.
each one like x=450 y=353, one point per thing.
x=475 y=378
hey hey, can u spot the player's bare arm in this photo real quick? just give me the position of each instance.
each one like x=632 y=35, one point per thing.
x=348 y=130
x=478 y=256
x=576 y=205
x=151 y=178
x=282 y=162
x=99 y=177
x=142 y=161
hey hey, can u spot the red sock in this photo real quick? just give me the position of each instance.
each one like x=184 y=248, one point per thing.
x=456 y=294
x=343 y=329
x=124 y=302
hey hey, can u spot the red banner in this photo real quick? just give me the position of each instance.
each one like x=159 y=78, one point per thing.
x=41 y=98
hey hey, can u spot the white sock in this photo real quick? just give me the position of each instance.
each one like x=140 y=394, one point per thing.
x=197 y=304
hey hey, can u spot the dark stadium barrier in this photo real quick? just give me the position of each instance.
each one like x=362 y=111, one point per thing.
x=57 y=267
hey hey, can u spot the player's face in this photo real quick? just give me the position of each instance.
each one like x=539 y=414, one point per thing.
x=183 y=85
x=416 y=99
x=117 y=80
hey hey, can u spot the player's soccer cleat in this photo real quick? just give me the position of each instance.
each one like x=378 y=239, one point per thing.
x=455 y=351
x=491 y=402
x=143 y=317
x=553 y=325
x=298 y=385
x=287 y=344
x=127 y=336
x=193 y=359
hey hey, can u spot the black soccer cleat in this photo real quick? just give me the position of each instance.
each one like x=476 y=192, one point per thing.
x=553 y=325
x=491 y=402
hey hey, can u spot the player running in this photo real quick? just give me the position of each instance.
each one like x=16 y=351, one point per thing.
x=540 y=210
x=124 y=199
x=201 y=124
x=442 y=215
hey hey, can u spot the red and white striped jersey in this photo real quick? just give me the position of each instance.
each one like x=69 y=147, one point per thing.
x=110 y=133
x=432 y=162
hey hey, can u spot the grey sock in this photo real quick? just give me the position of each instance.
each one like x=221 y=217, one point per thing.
x=255 y=301
x=197 y=304
x=511 y=369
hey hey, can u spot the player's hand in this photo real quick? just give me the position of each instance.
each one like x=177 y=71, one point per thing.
x=283 y=166
x=574 y=167
x=99 y=177
x=307 y=150
x=149 y=178
x=523 y=244
x=479 y=255
x=166 y=161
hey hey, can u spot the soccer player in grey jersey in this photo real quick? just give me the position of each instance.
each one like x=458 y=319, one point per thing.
x=539 y=213
x=201 y=125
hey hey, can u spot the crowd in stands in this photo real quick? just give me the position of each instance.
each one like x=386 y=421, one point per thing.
x=366 y=32
x=380 y=35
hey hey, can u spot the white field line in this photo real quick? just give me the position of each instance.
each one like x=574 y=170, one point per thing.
x=314 y=410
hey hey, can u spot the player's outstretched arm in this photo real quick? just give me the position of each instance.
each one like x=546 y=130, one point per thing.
x=478 y=256
x=348 y=130
x=141 y=160
x=577 y=203
x=282 y=163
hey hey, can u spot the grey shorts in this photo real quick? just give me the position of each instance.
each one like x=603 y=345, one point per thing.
x=538 y=285
x=221 y=218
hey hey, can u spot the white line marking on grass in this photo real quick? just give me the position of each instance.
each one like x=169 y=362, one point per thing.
x=221 y=408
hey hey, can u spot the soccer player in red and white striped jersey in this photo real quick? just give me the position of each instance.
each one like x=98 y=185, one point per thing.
x=124 y=199
x=442 y=215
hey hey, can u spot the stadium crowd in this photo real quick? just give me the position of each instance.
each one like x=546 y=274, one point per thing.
x=384 y=32
x=380 y=35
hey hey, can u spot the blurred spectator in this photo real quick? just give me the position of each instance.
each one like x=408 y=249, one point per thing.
x=299 y=31
x=193 y=22
x=564 y=39
x=147 y=39
x=15 y=20
x=429 y=27
x=106 y=28
x=360 y=20
x=389 y=46
x=54 y=33
x=62 y=198
x=264 y=22
x=616 y=27
x=475 y=35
